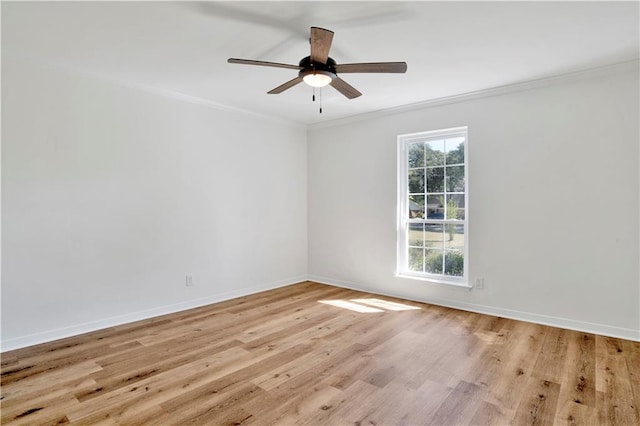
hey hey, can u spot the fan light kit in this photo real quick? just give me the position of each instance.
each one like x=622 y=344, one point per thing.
x=319 y=70
x=318 y=78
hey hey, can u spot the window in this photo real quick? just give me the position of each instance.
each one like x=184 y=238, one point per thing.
x=432 y=205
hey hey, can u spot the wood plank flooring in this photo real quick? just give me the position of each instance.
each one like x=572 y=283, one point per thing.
x=283 y=358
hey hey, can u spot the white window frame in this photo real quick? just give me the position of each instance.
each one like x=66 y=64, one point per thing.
x=403 y=207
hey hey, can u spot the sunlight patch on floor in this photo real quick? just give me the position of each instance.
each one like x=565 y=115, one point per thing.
x=351 y=306
x=368 y=305
x=385 y=304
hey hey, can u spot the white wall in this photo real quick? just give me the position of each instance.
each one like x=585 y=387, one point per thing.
x=111 y=195
x=553 y=202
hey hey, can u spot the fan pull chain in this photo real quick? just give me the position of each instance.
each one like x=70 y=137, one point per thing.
x=313 y=97
x=320 y=100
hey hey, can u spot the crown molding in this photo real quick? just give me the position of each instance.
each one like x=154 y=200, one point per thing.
x=621 y=67
x=168 y=94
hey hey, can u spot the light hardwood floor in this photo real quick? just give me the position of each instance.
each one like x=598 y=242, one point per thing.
x=281 y=357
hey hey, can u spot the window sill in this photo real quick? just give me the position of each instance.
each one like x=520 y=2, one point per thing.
x=462 y=284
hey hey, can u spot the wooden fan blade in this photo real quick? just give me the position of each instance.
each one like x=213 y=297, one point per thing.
x=320 y=44
x=289 y=84
x=262 y=63
x=376 y=67
x=345 y=88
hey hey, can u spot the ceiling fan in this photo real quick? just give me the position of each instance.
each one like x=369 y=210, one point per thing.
x=319 y=70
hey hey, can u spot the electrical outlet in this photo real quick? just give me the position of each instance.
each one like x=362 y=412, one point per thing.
x=479 y=283
x=189 y=280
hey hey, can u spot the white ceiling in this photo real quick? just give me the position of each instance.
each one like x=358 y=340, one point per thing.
x=451 y=48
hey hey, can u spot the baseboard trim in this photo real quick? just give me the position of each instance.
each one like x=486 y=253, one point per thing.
x=582 y=326
x=61 y=333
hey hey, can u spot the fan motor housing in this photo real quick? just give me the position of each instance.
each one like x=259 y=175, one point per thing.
x=310 y=67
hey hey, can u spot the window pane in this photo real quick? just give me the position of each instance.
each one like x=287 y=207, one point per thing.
x=454 y=263
x=455 y=179
x=433 y=236
x=435 y=207
x=431 y=239
x=434 y=153
x=416 y=259
x=416 y=154
x=454 y=236
x=455 y=206
x=416 y=180
x=416 y=206
x=435 y=179
x=455 y=150
x=416 y=234
x=433 y=262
